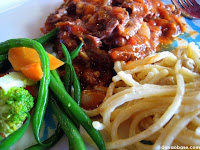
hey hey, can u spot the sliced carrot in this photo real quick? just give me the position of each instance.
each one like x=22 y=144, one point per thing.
x=33 y=71
x=18 y=57
x=54 y=62
x=28 y=61
x=22 y=56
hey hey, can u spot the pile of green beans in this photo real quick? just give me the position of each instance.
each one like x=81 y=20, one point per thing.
x=65 y=106
x=74 y=138
x=70 y=74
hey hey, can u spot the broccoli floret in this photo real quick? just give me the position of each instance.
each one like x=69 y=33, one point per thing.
x=14 y=104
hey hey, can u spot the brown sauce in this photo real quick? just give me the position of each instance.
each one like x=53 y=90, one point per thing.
x=111 y=30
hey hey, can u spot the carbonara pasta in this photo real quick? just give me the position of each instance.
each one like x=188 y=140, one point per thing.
x=154 y=102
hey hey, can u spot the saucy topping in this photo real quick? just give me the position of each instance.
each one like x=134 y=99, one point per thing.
x=111 y=30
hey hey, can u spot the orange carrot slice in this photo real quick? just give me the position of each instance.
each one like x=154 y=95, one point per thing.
x=33 y=71
x=18 y=57
x=22 y=56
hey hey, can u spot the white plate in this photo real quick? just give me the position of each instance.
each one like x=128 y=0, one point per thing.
x=23 y=19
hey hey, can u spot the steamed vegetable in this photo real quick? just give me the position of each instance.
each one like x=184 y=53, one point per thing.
x=33 y=71
x=28 y=61
x=22 y=56
x=14 y=105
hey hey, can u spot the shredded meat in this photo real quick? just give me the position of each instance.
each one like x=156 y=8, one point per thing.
x=111 y=30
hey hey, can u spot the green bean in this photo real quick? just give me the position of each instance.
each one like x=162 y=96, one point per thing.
x=58 y=80
x=15 y=136
x=3 y=57
x=77 y=89
x=53 y=140
x=71 y=74
x=42 y=99
x=76 y=84
x=75 y=140
x=68 y=76
x=72 y=55
x=70 y=105
x=66 y=54
x=1 y=138
x=57 y=77
x=59 y=132
x=75 y=53
x=48 y=37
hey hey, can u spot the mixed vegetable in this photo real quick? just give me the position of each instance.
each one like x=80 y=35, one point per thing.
x=30 y=57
